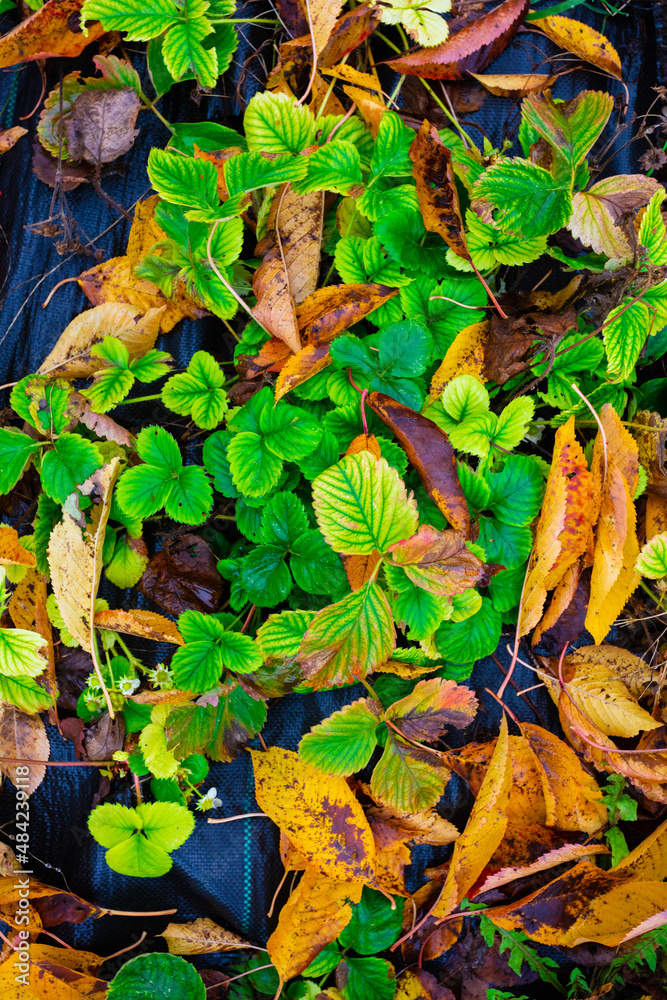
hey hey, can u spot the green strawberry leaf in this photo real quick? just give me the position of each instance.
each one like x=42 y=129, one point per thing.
x=343 y=743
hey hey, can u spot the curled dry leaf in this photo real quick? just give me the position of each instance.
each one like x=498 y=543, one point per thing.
x=100 y=126
x=101 y=423
x=430 y=453
x=514 y=84
x=75 y=559
x=564 y=530
x=583 y=41
x=469 y=50
x=201 y=937
x=46 y=33
x=391 y=828
x=137 y=329
x=318 y=813
x=436 y=189
x=313 y=917
x=23 y=737
x=145 y=624
x=12 y=552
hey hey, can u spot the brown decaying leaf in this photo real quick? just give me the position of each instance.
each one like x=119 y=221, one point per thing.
x=135 y=328
x=47 y=33
x=54 y=906
x=469 y=50
x=104 y=737
x=75 y=559
x=331 y=310
x=23 y=737
x=294 y=17
x=510 y=341
x=391 y=828
x=298 y=218
x=318 y=813
x=145 y=624
x=100 y=126
x=69 y=176
x=10 y=136
x=348 y=32
x=514 y=84
x=465 y=356
x=483 y=832
x=12 y=552
x=587 y=904
x=436 y=189
x=200 y=937
x=184 y=575
x=271 y=357
x=430 y=453
x=313 y=917
x=583 y=41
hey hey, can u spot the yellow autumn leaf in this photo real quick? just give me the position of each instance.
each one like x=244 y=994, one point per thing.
x=484 y=830
x=318 y=813
x=135 y=327
x=313 y=917
x=649 y=859
x=75 y=558
x=605 y=700
x=12 y=552
x=465 y=356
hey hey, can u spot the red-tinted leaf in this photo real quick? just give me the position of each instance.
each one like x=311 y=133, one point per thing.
x=469 y=50
x=438 y=561
x=432 y=707
x=436 y=188
x=430 y=453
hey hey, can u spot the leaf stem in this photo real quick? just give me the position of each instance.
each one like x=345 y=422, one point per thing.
x=231 y=819
x=139 y=399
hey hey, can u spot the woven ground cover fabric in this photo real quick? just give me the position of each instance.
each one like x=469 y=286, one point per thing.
x=227 y=872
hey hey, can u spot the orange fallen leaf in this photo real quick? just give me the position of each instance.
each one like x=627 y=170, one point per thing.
x=10 y=136
x=313 y=917
x=12 y=552
x=331 y=310
x=354 y=76
x=559 y=856
x=300 y=367
x=145 y=624
x=360 y=569
x=275 y=309
x=514 y=84
x=583 y=41
x=613 y=578
x=48 y=33
x=370 y=108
